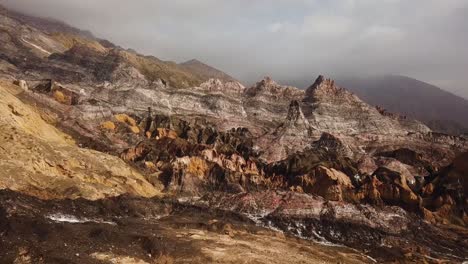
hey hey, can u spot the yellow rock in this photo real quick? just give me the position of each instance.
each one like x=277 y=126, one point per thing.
x=60 y=97
x=41 y=161
x=123 y=118
x=150 y=165
x=197 y=167
x=134 y=129
x=164 y=132
x=108 y=125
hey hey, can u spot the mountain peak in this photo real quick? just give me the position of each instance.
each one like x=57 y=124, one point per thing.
x=220 y=86
x=192 y=62
x=323 y=87
x=205 y=71
x=323 y=83
x=267 y=86
x=267 y=80
x=319 y=79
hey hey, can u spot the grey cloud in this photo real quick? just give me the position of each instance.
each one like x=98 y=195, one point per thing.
x=287 y=39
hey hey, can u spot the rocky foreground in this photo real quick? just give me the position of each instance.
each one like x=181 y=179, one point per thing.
x=134 y=230
x=108 y=156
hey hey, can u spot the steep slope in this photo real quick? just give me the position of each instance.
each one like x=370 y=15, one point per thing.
x=439 y=109
x=62 y=48
x=47 y=24
x=335 y=110
x=38 y=159
x=205 y=71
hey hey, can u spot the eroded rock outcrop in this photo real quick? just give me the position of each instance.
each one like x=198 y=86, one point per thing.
x=359 y=226
x=39 y=160
x=445 y=194
x=328 y=183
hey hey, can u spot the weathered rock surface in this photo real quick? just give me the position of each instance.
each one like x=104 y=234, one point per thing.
x=335 y=110
x=135 y=230
x=38 y=159
x=110 y=80
x=445 y=195
x=384 y=231
x=318 y=164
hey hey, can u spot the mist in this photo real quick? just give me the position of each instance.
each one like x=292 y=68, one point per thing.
x=289 y=40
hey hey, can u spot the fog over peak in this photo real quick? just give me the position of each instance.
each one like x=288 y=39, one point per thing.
x=285 y=39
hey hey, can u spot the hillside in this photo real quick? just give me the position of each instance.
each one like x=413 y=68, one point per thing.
x=54 y=41
x=205 y=71
x=439 y=109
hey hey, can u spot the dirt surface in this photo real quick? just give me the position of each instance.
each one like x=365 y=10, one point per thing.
x=135 y=230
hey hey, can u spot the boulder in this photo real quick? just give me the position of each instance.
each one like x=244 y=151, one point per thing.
x=22 y=84
x=331 y=184
x=395 y=190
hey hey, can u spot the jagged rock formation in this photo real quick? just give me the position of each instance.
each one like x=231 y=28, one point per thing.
x=333 y=144
x=333 y=109
x=445 y=194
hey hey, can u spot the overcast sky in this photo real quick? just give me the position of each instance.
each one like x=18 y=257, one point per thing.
x=285 y=39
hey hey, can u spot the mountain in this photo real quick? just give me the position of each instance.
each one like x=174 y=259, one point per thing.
x=46 y=24
x=55 y=43
x=205 y=71
x=108 y=155
x=441 y=110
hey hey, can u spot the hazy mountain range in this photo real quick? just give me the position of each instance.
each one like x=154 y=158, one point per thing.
x=441 y=110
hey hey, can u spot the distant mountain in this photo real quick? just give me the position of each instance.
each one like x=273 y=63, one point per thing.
x=205 y=71
x=48 y=25
x=59 y=42
x=441 y=110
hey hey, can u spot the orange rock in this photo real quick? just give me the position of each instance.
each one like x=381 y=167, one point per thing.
x=108 y=125
x=123 y=118
x=369 y=191
x=148 y=134
x=428 y=189
x=428 y=216
x=150 y=165
x=134 y=129
x=132 y=153
x=60 y=97
x=164 y=132
x=228 y=230
x=197 y=167
x=328 y=183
